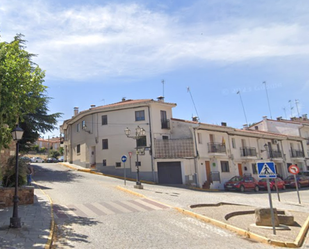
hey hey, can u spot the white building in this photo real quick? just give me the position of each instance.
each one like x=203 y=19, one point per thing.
x=173 y=151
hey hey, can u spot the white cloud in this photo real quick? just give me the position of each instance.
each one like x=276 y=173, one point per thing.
x=131 y=40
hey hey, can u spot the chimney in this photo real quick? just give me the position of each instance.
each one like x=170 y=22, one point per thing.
x=92 y=106
x=279 y=118
x=75 y=111
x=223 y=124
x=123 y=99
x=304 y=116
x=265 y=117
x=256 y=128
x=161 y=98
x=245 y=126
x=195 y=118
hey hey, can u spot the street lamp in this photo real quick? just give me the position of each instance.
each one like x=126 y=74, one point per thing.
x=17 y=134
x=139 y=132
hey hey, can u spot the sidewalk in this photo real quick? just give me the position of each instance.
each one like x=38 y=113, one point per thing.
x=36 y=222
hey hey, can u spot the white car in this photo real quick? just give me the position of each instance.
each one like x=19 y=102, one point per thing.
x=37 y=159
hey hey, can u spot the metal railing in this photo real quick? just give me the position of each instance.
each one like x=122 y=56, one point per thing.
x=275 y=154
x=296 y=153
x=165 y=124
x=248 y=151
x=216 y=148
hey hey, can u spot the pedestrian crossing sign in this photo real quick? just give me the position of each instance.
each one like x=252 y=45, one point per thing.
x=266 y=170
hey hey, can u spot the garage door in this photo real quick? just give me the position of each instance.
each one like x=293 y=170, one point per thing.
x=169 y=173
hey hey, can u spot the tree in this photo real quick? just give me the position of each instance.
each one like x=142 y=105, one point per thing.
x=21 y=86
x=36 y=123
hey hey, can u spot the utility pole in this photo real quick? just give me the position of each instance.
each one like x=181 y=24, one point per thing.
x=267 y=99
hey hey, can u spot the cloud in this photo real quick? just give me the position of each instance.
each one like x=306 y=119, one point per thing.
x=131 y=40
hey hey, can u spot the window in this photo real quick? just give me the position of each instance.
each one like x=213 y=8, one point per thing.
x=78 y=127
x=104 y=162
x=141 y=142
x=225 y=166
x=233 y=143
x=254 y=169
x=104 y=120
x=104 y=144
x=83 y=124
x=118 y=164
x=165 y=137
x=78 y=149
x=139 y=115
x=199 y=138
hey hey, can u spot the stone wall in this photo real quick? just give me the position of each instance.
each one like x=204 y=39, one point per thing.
x=25 y=194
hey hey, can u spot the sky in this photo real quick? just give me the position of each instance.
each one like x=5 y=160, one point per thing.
x=241 y=60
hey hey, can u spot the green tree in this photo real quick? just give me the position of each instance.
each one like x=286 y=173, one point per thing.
x=37 y=122
x=21 y=86
x=54 y=153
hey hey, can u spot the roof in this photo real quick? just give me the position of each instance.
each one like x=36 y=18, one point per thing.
x=114 y=106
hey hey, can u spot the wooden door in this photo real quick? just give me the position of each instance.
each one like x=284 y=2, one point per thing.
x=206 y=185
x=240 y=169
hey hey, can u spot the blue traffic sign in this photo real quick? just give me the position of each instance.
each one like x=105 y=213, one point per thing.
x=124 y=158
x=266 y=170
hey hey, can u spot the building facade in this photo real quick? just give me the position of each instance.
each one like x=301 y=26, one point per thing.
x=173 y=151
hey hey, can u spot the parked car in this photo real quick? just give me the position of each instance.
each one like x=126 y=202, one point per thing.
x=304 y=173
x=37 y=159
x=272 y=184
x=61 y=159
x=302 y=181
x=242 y=184
x=51 y=160
x=25 y=159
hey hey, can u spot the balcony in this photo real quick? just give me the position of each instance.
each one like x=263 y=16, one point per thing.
x=275 y=154
x=248 y=152
x=173 y=148
x=165 y=124
x=296 y=153
x=216 y=148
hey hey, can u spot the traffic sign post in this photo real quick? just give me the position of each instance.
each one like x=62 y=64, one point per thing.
x=124 y=159
x=294 y=170
x=268 y=170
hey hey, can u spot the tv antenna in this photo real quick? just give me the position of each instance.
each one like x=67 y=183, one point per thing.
x=163 y=87
x=189 y=91
x=296 y=103
x=242 y=104
x=264 y=82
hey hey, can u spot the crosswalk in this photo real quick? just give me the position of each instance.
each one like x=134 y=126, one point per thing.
x=95 y=209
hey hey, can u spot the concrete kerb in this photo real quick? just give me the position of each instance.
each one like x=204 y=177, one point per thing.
x=52 y=225
x=102 y=174
x=297 y=243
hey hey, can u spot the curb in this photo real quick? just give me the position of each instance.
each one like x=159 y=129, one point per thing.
x=52 y=225
x=102 y=174
x=297 y=242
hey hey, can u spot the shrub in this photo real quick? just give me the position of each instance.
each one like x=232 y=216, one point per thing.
x=8 y=172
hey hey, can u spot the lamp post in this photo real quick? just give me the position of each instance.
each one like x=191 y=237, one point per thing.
x=17 y=134
x=139 y=132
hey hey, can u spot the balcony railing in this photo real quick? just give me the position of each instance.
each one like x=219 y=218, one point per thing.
x=216 y=148
x=165 y=124
x=296 y=153
x=275 y=154
x=248 y=151
x=173 y=148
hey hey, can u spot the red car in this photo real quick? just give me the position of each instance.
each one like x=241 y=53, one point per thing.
x=272 y=184
x=241 y=184
x=302 y=181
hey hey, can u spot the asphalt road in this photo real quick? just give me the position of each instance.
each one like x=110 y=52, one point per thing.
x=91 y=212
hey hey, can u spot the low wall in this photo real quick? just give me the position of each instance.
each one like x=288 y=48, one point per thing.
x=25 y=194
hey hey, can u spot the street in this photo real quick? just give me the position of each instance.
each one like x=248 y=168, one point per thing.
x=90 y=212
